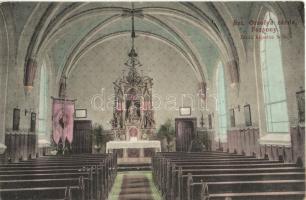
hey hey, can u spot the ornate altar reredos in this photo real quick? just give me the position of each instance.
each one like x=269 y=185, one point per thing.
x=133 y=115
x=133 y=122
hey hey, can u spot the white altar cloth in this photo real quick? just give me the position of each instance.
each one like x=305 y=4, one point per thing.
x=133 y=145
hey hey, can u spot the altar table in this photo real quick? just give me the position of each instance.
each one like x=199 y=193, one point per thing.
x=134 y=152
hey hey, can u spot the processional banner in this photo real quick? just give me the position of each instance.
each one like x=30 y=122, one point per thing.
x=62 y=120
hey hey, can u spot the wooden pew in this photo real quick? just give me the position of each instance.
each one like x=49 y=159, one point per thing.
x=206 y=172
x=55 y=173
x=225 y=176
x=20 y=185
x=41 y=193
x=283 y=195
x=210 y=189
x=162 y=176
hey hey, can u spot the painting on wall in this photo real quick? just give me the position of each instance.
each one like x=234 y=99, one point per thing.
x=247 y=115
x=300 y=97
x=33 y=122
x=80 y=113
x=232 y=117
x=185 y=111
x=16 y=119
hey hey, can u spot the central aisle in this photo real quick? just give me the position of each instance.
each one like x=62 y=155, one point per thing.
x=134 y=185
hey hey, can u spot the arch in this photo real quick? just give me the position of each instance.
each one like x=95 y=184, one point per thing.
x=258 y=14
x=187 y=44
x=86 y=38
x=196 y=17
x=262 y=9
x=5 y=39
x=273 y=84
x=152 y=19
x=123 y=33
x=204 y=24
x=228 y=18
x=39 y=30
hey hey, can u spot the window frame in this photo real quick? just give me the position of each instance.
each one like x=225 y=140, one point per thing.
x=222 y=115
x=42 y=114
x=266 y=87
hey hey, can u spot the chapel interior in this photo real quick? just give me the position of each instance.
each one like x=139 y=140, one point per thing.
x=140 y=100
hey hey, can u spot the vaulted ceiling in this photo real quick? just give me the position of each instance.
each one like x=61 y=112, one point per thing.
x=67 y=31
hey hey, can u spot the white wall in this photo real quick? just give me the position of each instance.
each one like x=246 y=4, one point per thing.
x=97 y=70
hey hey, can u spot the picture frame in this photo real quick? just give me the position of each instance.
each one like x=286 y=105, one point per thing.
x=232 y=117
x=300 y=98
x=80 y=113
x=185 y=111
x=247 y=115
x=16 y=119
x=33 y=122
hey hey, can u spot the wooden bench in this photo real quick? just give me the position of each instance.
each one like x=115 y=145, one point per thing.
x=67 y=193
x=198 y=190
x=214 y=175
x=58 y=177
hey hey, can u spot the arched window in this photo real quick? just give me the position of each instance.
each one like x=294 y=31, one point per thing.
x=221 y=103
x=43 y=98
x=274 y=93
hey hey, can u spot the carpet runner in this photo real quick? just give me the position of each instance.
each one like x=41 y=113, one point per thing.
x=135 y=187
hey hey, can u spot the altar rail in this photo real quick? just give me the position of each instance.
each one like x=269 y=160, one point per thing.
x=21 y=145
x=245 y=142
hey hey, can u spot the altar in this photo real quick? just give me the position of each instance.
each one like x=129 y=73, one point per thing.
x=133 y=123
x=134 y=152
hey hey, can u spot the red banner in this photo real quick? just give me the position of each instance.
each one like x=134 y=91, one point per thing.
x=62 y=120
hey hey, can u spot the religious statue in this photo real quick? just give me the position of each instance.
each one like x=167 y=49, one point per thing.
x=117 y=120
x=132 y=114
x=148 y=121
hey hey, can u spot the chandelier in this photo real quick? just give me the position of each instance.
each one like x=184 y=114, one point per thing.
x=133 y=76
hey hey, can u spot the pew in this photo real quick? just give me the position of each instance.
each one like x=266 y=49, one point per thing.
x=83 y=176
x=220 y=175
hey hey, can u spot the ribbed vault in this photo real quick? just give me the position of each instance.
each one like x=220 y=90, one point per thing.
x=68 y=31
